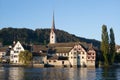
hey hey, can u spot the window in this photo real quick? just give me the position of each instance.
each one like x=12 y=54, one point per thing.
x=71 y=57
x=89 y=53
x=92 y=57
x=16 y=51
x=74 y=52
x=88 y=57
x=82 y=57
x=15 y=56
x=83 y=52
x=74 y=57
x=63 y=62
x=49 y=60
x=65 y=54
x=54 y=60
x=18 y=48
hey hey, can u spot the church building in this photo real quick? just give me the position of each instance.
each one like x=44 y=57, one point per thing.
x=69 y=54
x=52 y=33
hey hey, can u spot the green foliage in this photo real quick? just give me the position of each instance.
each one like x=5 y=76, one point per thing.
x=112 y=46
x=108 y=47
x=8 y=35
x=105 y=44
x=25 y=57
x=39 y=36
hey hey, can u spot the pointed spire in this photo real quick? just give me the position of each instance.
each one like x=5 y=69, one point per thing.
x=53 y=23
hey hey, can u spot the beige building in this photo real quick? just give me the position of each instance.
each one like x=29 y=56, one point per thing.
x=71 y=54
x=3 y=51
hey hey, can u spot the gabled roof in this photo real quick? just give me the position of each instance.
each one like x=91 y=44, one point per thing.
x=3 y=49
x=71 y=44
x=66 y=47
x=38 y=48
x=38 y=54
x=18 y=44
x=63 y=49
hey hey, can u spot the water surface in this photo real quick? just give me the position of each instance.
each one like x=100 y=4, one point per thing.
x=20 y=73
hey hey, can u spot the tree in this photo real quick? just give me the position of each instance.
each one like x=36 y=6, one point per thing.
x=105 y=44
x=112 y=46
x=25 y=57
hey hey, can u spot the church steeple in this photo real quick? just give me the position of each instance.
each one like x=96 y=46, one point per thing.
x=53 y=23
x=52 y=33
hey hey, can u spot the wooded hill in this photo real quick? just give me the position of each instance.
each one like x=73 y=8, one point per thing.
x=39 y=36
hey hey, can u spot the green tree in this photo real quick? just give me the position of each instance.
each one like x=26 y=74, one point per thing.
x=25 y=57
x=112 y=46
x=105 y=44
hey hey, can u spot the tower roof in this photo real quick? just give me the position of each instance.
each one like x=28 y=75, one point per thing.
x=53 y=23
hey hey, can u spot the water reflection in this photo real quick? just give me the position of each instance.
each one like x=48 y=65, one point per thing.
x=19 y=73
x=14 y=73
x=109 y=73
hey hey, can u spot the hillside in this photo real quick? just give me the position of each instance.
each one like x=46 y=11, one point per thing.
x=39 y=36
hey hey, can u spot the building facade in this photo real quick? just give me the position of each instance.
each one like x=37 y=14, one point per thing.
x=71 y=54
x=15 y=51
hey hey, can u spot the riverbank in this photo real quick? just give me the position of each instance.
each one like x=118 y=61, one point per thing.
x=14 y=65
x=40 y=66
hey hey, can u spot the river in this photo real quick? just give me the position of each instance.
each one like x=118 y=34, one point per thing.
x=21 y=73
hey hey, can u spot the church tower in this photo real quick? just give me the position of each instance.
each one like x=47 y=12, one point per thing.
x=52 y=33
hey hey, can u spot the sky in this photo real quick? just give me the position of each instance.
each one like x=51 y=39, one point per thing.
x=83 y=18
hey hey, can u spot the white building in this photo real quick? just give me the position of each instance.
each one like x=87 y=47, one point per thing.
x=15 y=51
